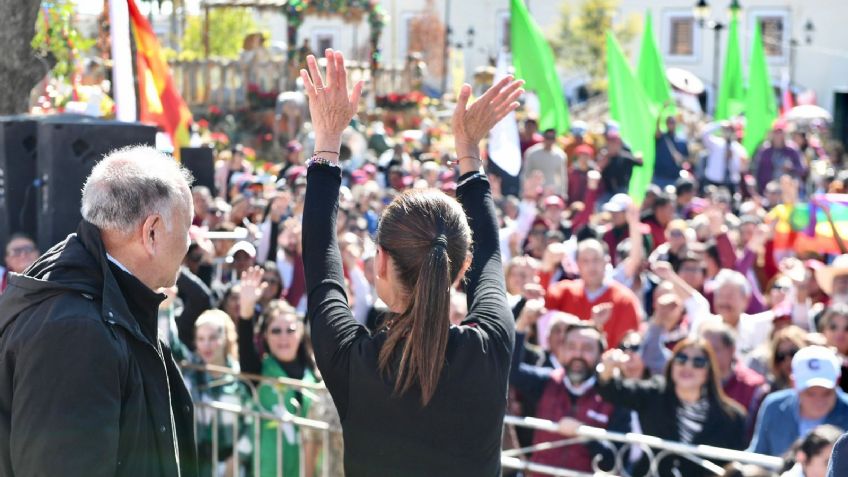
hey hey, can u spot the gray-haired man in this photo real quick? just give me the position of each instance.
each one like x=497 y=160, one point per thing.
x=86 y=387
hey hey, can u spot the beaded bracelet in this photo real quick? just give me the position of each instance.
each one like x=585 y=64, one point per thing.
x=315 y=159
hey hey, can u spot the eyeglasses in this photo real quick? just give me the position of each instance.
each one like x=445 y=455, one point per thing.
x=698 y=362
x=24 y=250
x=780 y=356
x=289 y=330
x=633 y=347
x=271 y=279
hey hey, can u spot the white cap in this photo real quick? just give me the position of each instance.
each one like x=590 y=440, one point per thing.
x=618 y=203
x=242 y=246
x=815 y=366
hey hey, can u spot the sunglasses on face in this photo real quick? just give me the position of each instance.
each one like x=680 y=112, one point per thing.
x=633 y=347
x=780 y=356
x=698 y=362
x=19 y=251
x=289 y=330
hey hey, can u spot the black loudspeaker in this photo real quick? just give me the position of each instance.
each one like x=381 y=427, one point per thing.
x=18 y=146
x=68 y=148
x=840 y=116
x=201 y=162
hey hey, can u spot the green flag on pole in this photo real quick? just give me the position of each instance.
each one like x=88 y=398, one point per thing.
x=731 y=92
x=630 y=106
x=651 y=70
x=760 y=103
x=533 y=61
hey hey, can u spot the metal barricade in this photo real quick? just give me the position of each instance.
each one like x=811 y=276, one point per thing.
x=244 y=421
x=655 y=448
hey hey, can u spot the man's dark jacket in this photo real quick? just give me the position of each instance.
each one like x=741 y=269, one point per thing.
x=86 y=387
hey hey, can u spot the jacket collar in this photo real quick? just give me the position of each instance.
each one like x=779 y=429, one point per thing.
x=115 y=310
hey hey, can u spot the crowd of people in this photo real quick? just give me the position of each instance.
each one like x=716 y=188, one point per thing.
x=675 y=317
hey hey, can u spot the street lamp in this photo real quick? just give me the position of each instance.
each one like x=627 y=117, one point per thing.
x=702 y=15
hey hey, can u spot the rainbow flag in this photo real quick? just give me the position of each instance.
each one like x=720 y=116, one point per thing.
x=160 y=102
x=803 y=227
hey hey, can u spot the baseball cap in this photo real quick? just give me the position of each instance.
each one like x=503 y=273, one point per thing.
x=554 y=200
x=618 y=203
x=359 y=176
x=242 y=246
x=579 y=128
x=584 y=149
x=815 y=366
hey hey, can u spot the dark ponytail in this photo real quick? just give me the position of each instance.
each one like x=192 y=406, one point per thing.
x=426 y=235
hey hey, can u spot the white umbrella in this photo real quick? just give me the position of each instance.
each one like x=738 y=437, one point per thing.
x=808 y=112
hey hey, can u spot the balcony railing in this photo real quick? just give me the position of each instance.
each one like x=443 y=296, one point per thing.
x=224 y=83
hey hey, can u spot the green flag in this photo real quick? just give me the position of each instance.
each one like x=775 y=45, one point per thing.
x=731 y=92
x=533 y=61
x=651 y=70
x=630 y=106
x=760 y=104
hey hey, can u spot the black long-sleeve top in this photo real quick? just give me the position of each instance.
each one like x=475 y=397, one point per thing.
x=459 y=431
x=657 y=409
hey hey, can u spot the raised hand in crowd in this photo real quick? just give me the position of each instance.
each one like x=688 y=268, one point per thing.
x=715 y=217
x=530 y=314
x=555 y=254
x=533 y=185
x=532 y=291
x=666 y=312
x=252 y=287
x=601 y=313
x=594 y=179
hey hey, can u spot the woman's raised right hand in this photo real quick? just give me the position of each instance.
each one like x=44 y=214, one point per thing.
x=470 y=124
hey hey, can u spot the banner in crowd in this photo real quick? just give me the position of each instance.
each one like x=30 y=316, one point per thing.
x=160 y=102
x=651 y=70
x=760 y=103
x=804 y=226
x=534 y=62
x=504 y=144
x=630 y=106
x=731 y=91
x=123 y=85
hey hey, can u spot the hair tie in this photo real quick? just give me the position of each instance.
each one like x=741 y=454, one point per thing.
x=440 y=241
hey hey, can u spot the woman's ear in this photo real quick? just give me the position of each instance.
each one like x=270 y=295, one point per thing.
x=381 y=263
x=800 y=457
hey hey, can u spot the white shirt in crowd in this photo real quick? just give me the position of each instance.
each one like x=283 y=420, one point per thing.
x=716 y=163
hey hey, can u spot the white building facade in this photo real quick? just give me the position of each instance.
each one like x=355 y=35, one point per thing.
x=815 y=60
